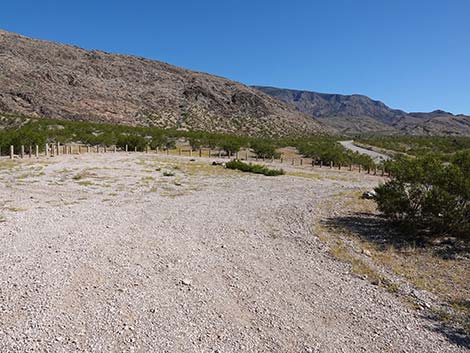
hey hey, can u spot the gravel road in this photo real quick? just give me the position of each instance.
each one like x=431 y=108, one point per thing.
x=102 y=253
x=376 y=156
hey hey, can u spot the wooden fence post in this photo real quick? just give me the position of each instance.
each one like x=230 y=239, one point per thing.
x=301 y=161
x=46 y=151
x=200 y=152
x=209 y=152
x=246 y=155
x=37 y=151
x=135 y=149
x=127 y=148
x=114 y=149
x=321 y=163
x=22 y=151
x=12 y=152
x=58 y=148
x=30 y=151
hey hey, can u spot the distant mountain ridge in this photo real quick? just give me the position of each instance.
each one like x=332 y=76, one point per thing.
x=357 y=114
x=48 y=79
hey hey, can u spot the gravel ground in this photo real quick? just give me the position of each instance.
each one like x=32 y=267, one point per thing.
x=102 y=253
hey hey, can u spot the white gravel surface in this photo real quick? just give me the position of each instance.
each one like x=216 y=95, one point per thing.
x=102 y=253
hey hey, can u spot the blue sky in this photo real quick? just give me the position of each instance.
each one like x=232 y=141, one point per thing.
x=411 y=54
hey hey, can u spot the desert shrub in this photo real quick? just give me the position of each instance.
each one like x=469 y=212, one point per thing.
x=132 y=142
x=231 y=144
x=428 y=195
x=264 y=148
x=419 y=145
x=253 y=168
x=328 y=150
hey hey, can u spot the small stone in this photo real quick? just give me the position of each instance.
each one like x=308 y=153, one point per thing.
x=186 y=282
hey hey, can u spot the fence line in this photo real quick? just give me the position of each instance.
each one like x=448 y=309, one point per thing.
x=56 y=149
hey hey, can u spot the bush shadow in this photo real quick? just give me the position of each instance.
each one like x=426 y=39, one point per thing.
x=383 y=234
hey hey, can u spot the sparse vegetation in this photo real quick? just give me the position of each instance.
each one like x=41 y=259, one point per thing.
x=420 y=145
x=30 y=131
x=253 y=168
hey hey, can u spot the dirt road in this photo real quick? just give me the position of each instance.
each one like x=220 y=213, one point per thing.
x=376 y=156
x=103 y=253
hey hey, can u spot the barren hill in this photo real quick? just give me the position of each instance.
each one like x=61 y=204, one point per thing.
x=48 y=79
x=361 y=114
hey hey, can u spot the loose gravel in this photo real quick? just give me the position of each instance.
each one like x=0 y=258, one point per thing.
x=103 y=253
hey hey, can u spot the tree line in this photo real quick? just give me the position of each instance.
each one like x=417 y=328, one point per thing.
x=41 y=131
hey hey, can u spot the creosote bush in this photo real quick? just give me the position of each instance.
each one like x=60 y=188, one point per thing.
x=429 y=196
x=253 y=168
x=27 y=131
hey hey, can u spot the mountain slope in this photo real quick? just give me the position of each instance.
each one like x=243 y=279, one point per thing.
x=360 y=114
x=48 y=79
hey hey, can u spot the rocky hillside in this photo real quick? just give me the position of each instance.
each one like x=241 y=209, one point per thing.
x=360 y=114
x=47 y=79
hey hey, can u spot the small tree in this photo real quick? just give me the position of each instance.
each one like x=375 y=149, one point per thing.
x=231 y=145
x=265 y=149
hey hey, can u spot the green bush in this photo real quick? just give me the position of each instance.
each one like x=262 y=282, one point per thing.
x=264 y=148
x=132 y=142
x=428 y=195
x=231 y=144
x=253 y=168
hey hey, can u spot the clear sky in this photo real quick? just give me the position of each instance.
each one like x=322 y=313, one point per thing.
x=411 y=54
